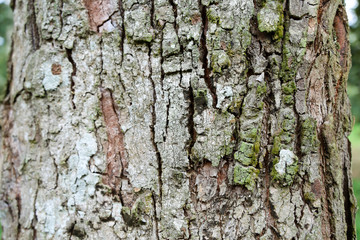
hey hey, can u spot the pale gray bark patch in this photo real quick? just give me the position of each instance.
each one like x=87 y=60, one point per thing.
x=170 y=120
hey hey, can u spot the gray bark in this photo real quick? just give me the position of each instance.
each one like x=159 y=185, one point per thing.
x=168 y=119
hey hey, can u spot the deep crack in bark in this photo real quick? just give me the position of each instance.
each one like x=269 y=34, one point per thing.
x=73 y=74
x=32 y=25
x=204 y=55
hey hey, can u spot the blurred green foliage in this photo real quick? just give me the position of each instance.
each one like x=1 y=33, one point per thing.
x=356 y=186
x=6 y=23
x=354 y=76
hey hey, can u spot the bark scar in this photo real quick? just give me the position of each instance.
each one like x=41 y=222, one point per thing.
x=341 y=34
x=99 y=11
x=115 y=153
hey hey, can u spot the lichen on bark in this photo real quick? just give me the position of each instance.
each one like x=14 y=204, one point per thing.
x=196 y=119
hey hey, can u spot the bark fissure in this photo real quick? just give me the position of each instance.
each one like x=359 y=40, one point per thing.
x=182 y=123
x=32 y=25
x=122 y=30
x=18 y=205
x=270 y=218
x=348 y=206
x=155 y=216
x=153 y=122
x=73 y=74
x=191 y=125
x=204 y=54
x=101 y=24
x=152 y=128
x=327 y=223
x=34 y=220
x=61 y=17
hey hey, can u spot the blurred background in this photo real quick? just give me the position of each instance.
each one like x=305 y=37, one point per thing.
x=353 y=10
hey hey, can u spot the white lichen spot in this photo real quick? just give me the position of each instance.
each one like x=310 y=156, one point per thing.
x=50 y=81
x=86 y=147
x=286 y=158
x=55 y=71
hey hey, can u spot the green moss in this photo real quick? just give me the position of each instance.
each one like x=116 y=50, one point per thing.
x=250 y=135
x=271 y=19
x=219 y=61
x=133 y=217
x=288 y=125
x=288 y=99
x=248 y=153
x=256 y=147
x=240 y=157
x=309 y=139
x=261 y=89
x=276 y=146
x=229 y=50
x=279 y=33
x=226 y=150
x=286 y=137
x=212 y=17
x=287 y=178
x=309 y=197
x=289 y=88
x=246 y=176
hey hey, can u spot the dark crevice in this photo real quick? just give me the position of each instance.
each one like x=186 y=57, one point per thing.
x=167 y=118
x=57 y=174
x=34 y=220
x=327 y=223
x=73 y=74
x=155 y=216
x=152 y=127
x=18 y=204
x=105 y=21
x=204 y=54
x=60 y=16
x=32 y=26
x=162 y=76
x=174 y=7
x=191 y=125
x=122 y=30
x=271 y=214
x=152 y=13
x=71 y=229
x=348 y=206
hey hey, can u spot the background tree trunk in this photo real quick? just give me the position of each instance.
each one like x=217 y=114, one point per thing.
x=196 y=119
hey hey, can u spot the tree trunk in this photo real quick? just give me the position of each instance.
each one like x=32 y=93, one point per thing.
x=197 y=119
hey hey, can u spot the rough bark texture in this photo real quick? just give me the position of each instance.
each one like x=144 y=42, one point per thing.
x=169 y=119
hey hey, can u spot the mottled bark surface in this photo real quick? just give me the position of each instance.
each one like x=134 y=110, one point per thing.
x=169 y=119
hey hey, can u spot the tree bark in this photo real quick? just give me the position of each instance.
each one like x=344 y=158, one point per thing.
x=196 y=119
